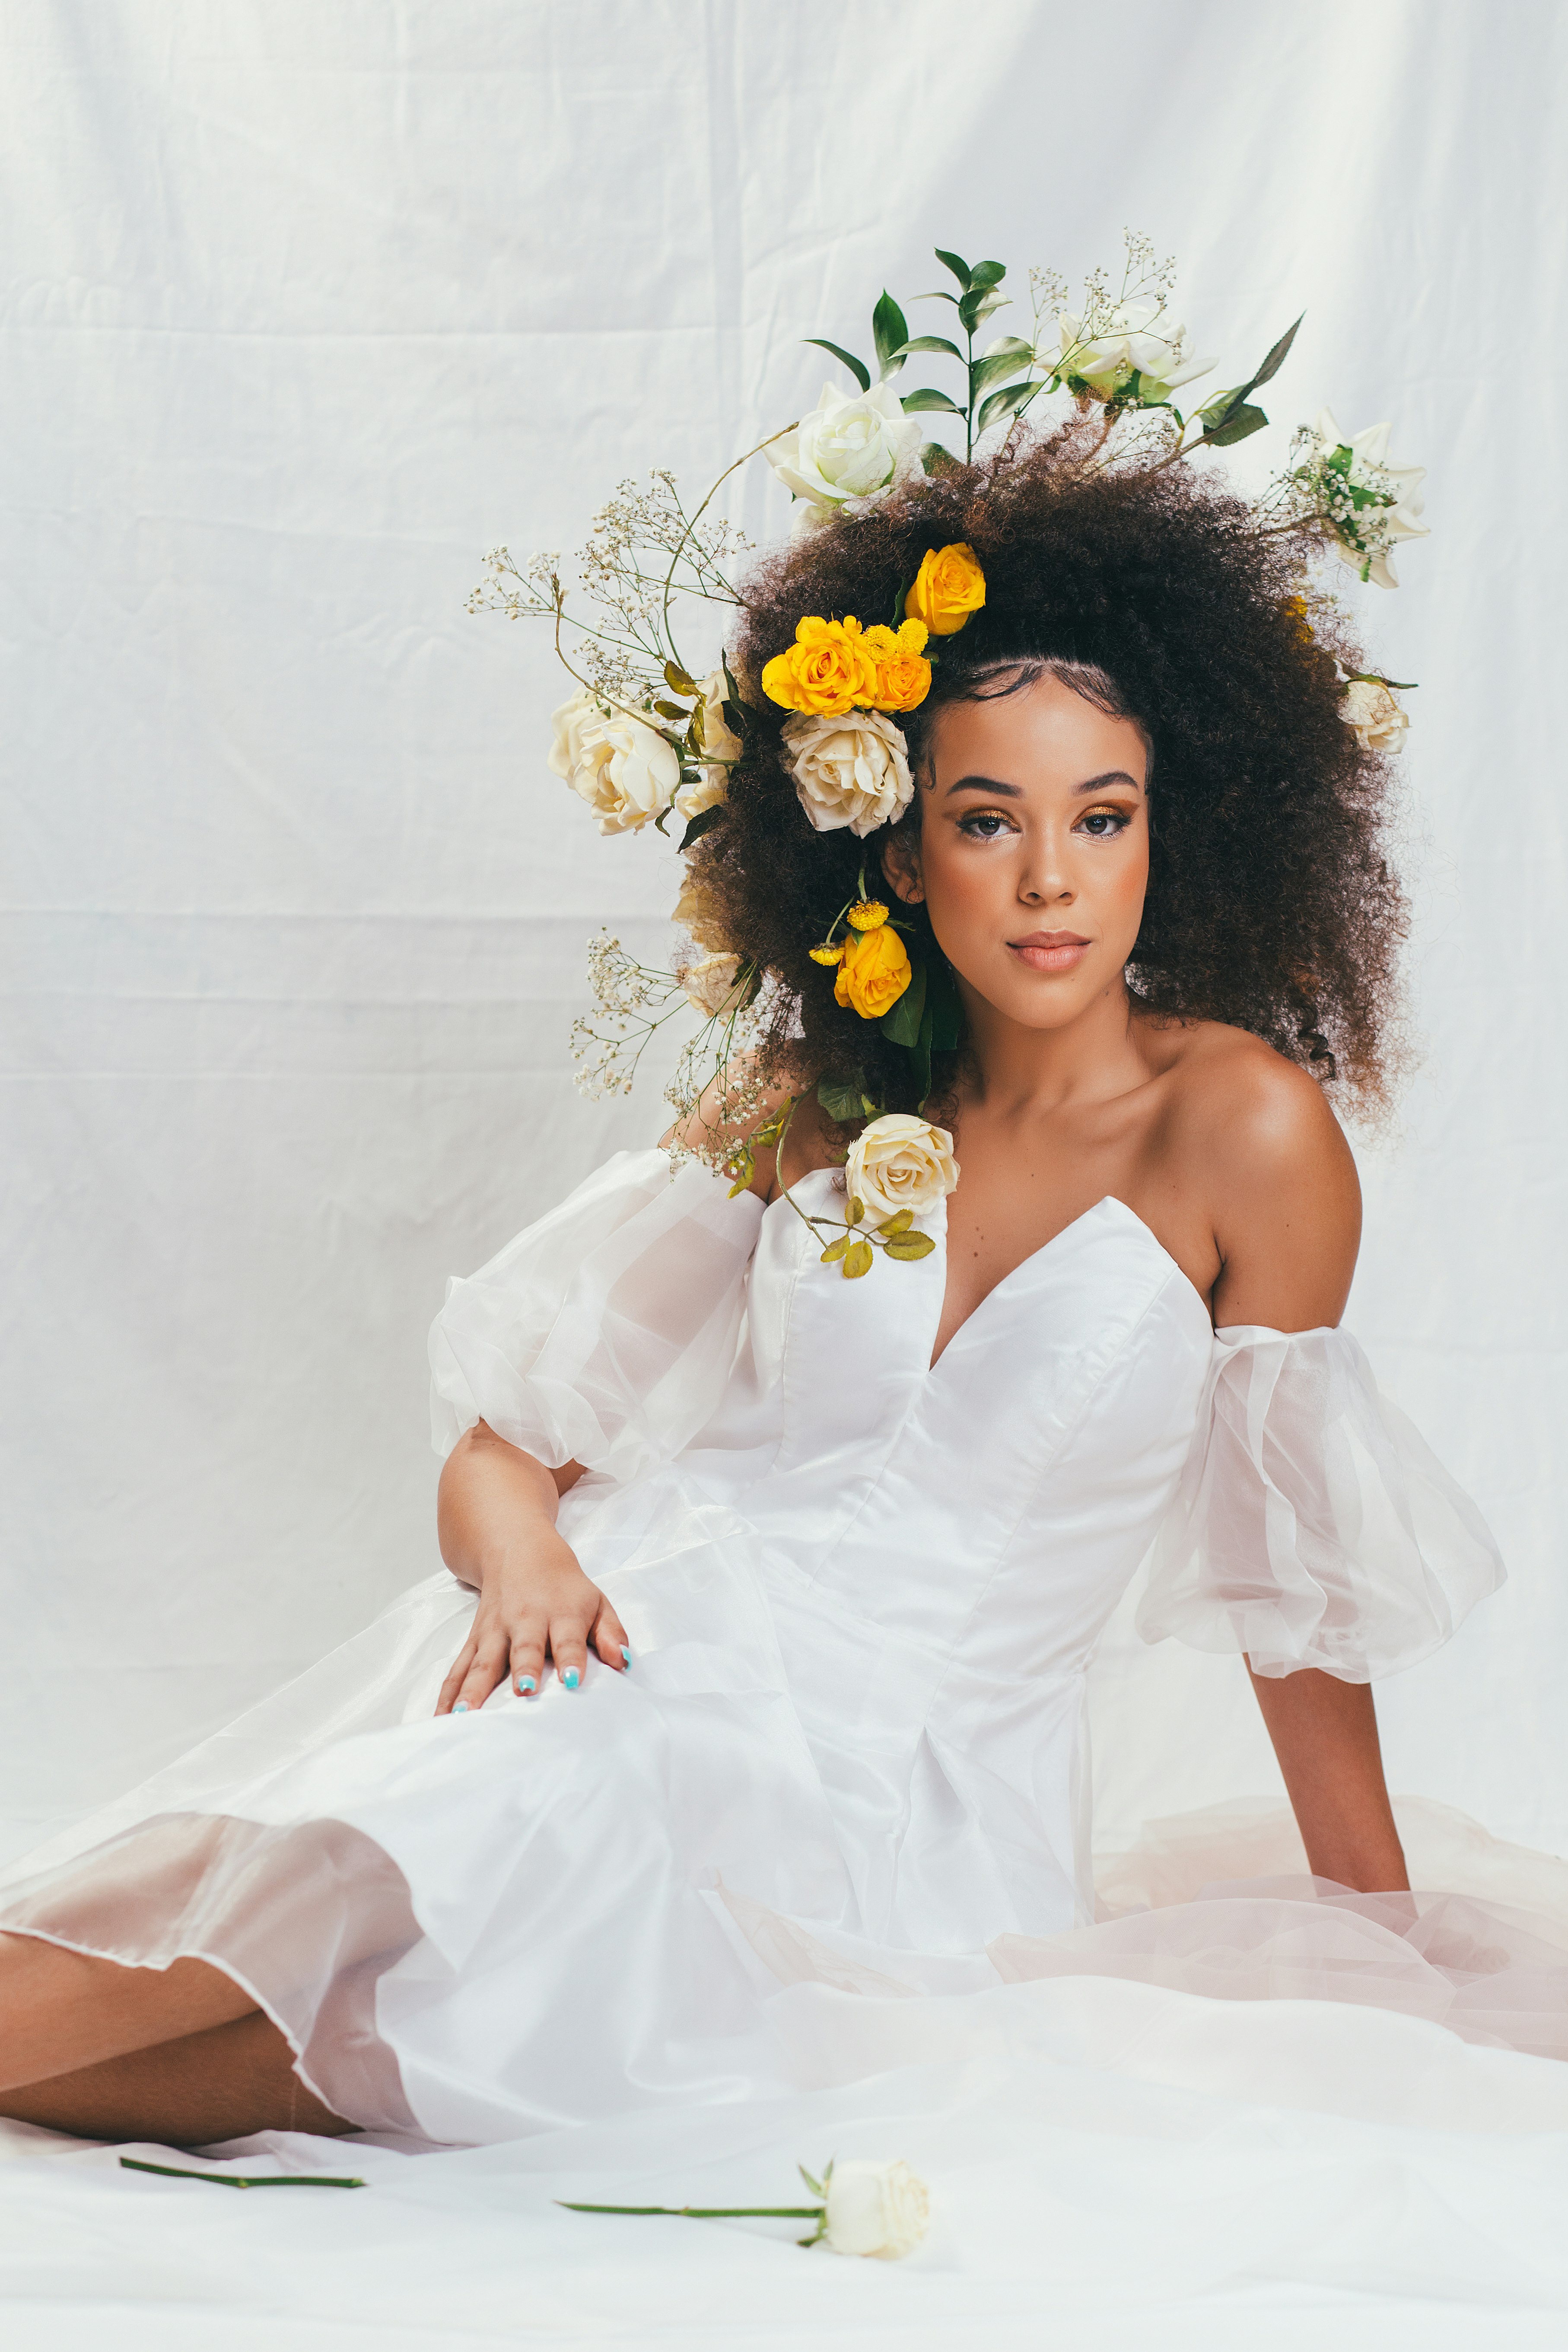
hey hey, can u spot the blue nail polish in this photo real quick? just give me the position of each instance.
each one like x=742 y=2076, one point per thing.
x=571 y=1677
x=461 y=1707
x=625 y=1655
x=526 y=1682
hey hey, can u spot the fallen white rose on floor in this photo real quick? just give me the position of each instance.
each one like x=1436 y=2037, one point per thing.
x=880 y=2210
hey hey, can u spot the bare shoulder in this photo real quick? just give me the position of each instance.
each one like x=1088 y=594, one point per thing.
x=739 y=1120
x=1256 y=1138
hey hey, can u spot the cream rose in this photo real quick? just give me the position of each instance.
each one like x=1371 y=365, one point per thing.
x=852 y=446
x=882 y=2209
x=711 y=983
x=621 y=765
x=901 y=1162
x=1367 y=706
x=1134 y=338
x=851 y=771
x=696 y=916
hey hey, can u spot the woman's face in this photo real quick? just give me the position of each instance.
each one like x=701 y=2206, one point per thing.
x=1032 y=855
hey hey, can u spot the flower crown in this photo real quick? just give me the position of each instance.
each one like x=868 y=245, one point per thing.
x=643 y=738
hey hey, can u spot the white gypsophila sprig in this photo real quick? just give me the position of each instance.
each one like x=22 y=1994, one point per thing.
x=634 y=1001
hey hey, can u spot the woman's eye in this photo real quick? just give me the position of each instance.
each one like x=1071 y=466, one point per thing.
x=1103 y=823
x=983 y=825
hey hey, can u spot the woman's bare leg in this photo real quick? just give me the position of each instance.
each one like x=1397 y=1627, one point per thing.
x=60 y=2011
x=222 y=2083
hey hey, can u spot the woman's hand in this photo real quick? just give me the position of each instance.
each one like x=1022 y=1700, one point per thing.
x=532 y=1612
x=496 y=1517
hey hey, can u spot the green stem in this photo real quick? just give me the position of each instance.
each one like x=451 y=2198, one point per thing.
x=707 y=2212
x=701 y=510
x=246 y=2179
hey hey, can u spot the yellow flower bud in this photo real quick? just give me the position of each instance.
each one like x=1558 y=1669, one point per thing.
x=949 y=587
x=874 y=973
x=827 y=955
x=828 y=671
x=903 y=674
x=867 y=915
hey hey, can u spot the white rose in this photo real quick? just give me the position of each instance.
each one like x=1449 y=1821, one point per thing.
x=876 y=2209
x=901 y=1162
x=853 y=770
x=621 y=765
x=696 y=917
x=1365 y=534
x=711 y=983
x=852 y=446
x=1134 y=336
x=1368 y=708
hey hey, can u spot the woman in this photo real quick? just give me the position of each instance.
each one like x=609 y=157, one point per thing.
x=772 y=1592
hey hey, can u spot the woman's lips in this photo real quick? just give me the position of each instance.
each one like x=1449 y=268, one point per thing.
x=1050 y=950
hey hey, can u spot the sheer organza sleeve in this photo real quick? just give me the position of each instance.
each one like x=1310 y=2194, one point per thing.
x=605 y=1333
x=1313 y=1526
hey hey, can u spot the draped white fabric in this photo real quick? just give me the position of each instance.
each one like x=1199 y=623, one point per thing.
x=309 y=307
x=305 y=308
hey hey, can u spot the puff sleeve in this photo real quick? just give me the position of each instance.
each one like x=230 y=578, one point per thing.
x=605 y=1333
x=1313 y=1527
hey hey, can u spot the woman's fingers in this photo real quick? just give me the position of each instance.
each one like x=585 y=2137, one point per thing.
x=453 y=1682
x=569 y=1646
x=528 y=1641
x=609 y=1639
x=491 y=1652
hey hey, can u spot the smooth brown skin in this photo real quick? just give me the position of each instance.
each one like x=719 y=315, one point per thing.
x=1034 y=820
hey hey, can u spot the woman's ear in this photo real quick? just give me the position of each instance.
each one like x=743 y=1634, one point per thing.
x=901 y=864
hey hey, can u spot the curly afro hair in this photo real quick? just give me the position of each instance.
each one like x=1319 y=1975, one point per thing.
x=1271 y=903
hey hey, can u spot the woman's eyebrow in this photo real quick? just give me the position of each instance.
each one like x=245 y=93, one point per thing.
x=1015 y=792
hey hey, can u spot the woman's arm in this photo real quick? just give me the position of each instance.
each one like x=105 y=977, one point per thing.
x=495 y=1517
x=1288 y=1227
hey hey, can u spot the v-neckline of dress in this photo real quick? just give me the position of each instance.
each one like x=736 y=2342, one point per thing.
x=937 y=1226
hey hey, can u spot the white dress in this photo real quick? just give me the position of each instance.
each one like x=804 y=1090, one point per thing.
x=862 y=1593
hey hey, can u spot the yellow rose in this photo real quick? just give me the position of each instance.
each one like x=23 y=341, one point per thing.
x=903 y=674
x=874 y=973
x=949 y=587
x=828 y=671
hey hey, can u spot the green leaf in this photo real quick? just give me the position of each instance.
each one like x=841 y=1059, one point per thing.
x=841 y=1101
x=946 y=1007
x=889 y=333
x=987 y=273
x=911 y=1246
x=1215 y=411
x=936 y=458
x=899 y=1222
x=1006 y=403
x=858 y=1259
x=836 y=1249
x=1276 y=359
x=854 y=1213
x=745 y=1168
x=995 y=365
x=676 y=678
x=1241 y=421
x=703 y=821
x=916 y=404
x=978 y=304
x=671 y=711
x=959 y=268
x=858 y=368
x=931 y=343
x=901 y=1026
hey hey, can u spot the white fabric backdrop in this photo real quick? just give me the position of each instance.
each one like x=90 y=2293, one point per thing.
x=306 y=306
